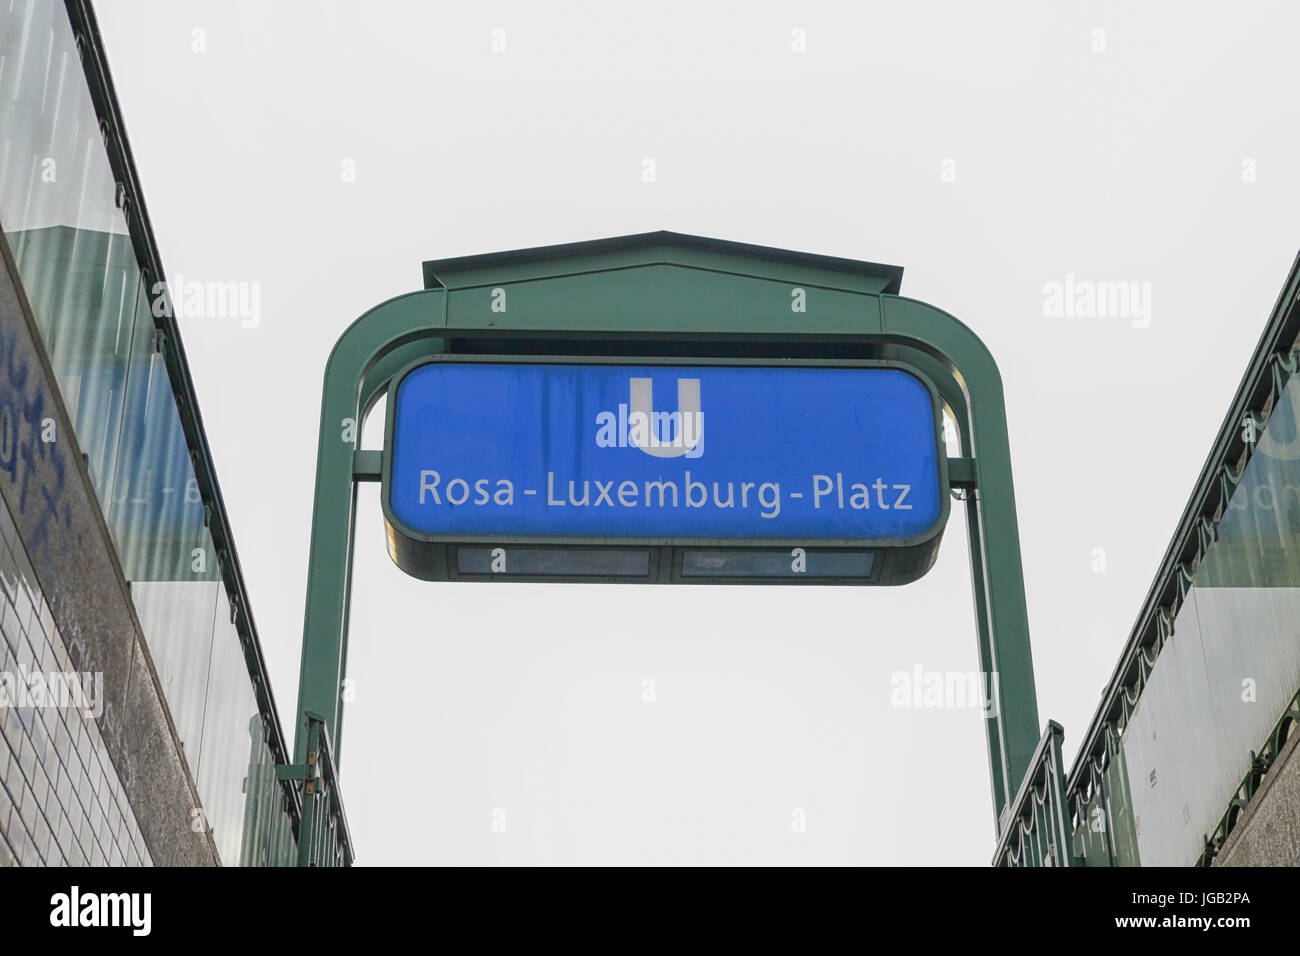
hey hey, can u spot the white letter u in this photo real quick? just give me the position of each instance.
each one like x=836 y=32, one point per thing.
x=688 y=408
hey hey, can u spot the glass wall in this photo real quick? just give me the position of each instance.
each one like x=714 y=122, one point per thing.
x=156 y=518
x=1232 y=666
x=59 y=207
x=58 y=204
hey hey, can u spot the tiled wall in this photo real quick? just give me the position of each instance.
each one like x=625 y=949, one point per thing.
x=61 y=802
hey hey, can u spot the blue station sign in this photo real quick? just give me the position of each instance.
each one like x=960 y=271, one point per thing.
x=664 y=471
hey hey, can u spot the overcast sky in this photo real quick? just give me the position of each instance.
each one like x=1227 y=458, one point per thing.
x=322 y=150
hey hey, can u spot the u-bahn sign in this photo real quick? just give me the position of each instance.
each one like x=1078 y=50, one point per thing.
x=670 y=409
x=669 y=472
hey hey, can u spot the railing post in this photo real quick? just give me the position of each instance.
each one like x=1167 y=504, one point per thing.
x=307 y=828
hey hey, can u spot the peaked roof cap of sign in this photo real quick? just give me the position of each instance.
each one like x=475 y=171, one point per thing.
x=655 y=248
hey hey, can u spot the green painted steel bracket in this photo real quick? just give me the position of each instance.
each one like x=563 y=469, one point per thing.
x=297 y=771
x=639 y=294
x=367 y=466
x=961 y=472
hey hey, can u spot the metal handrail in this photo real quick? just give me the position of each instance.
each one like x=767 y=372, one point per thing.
x=323 y=835
x=1038 y=820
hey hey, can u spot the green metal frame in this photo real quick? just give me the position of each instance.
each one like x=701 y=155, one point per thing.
x=668 y=294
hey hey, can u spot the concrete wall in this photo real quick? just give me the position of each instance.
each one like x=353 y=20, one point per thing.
x=78 y=787
x=1268 y=834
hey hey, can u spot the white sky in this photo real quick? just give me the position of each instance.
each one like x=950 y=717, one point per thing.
x=1124 y=164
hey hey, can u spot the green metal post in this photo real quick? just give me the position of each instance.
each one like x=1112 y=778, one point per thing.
x=379 y=333
x=997 y=573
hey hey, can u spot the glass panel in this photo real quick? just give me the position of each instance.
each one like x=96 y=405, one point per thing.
x=157 y=522
x=1259 y=535
x=1089 y=836
x=156 y=514
x=554 y=561
x=177 y=619
x=231 y=737
x=1219 y=687
x=55 y=171
x=58 y=206
x=268 y=828
x=1120 y=802
x=777 y=564
x=1171 y=753
x=1247 y=589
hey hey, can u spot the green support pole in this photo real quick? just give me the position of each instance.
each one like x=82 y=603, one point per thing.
x=997 y=574
x=379 y=333
x=951 y=388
